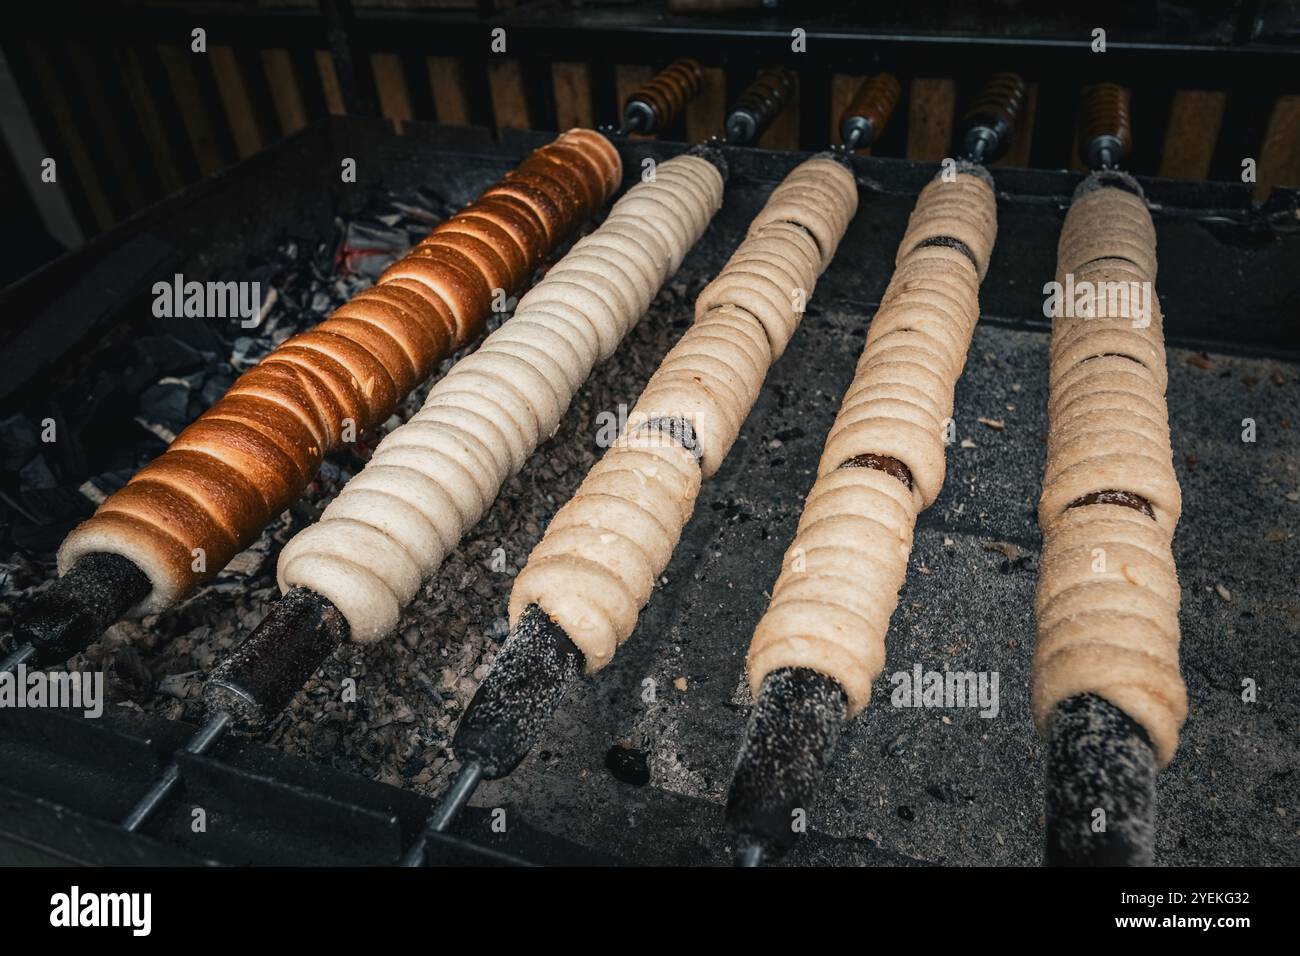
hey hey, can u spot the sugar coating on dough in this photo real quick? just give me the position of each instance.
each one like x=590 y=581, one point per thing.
x=480 y=423
x=602 y=553
x=840 y=577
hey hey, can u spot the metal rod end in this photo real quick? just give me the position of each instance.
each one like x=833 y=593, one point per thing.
x=790 y=739
x=1101 y=787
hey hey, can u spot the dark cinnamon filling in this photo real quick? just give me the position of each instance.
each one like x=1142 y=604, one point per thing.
x=890 y=466
x=948 y=242
x=681 y=431
x=1125 y=499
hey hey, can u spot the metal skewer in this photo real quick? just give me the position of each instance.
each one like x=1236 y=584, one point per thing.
x=864 y=118
x=1098 y=758
x=761 y=103
x=508 y=714
x=251 y=686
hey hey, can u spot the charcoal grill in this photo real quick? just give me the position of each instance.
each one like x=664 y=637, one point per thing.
x=902 y=790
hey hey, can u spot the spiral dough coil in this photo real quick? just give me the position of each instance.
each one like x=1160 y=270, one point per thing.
x=252 y=453
x=595 y=568
x=670 y=90
x=431 y=480
x=840 y=578
x=1108 y=594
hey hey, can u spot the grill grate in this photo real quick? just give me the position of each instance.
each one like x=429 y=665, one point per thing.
x=346 y=782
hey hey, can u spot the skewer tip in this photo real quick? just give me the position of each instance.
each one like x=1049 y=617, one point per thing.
x=69 y=616
x=515 y=702
x=1101 y=773
x=790 y=739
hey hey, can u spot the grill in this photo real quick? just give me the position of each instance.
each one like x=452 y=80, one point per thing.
x=636 y=765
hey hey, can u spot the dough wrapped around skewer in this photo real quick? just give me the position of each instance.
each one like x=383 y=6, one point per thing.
x=597 y=563
x=185 y=515
x=430 y=480
x=883 y=461
x=1108 y=594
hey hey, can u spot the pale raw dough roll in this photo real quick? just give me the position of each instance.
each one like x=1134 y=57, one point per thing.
x=602 y=553
x=967 y=214
x=1108 y=594
x=841 y=575
x=431 y=480
x=252 y=453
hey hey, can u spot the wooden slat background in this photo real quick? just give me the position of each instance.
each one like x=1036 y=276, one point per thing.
x=134 y=124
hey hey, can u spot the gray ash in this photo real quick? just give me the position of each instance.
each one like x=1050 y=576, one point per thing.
x=128 y=396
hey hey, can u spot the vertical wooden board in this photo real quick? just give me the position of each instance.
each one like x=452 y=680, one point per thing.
x=234 y=99
x=83 y=167
x=329 y=84
x=627 y=80
x=931 y=107
x=285 y=96
x=150 y=120
x=1077 y=165
x=448 y=84
x=706 y=114
x=390 y=87
x=1022 y=139
x=572 y=95
x=784 y=131
x=112 y=149
x=1193 y=130
x=1279 y=157
x=509 y=103
x=198 y=127
x=842 y=89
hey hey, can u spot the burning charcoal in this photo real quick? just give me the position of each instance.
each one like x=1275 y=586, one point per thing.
x=196 y=333
x=217 y=385
x=18 y=441
x=36 y=474
x=628 y=765
x=135 y=677
x=420 y=215
x=168 y=354
x=136 y=378
x=166 y=403
x=247 y=352
x=52 y=510
x=111 y=481
x=432 y=200
x=374 y=237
